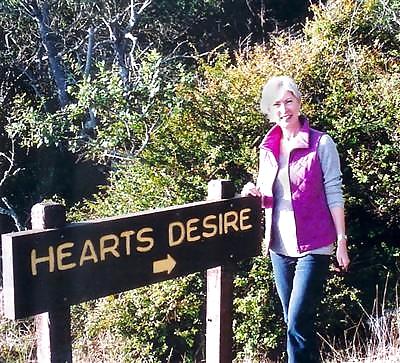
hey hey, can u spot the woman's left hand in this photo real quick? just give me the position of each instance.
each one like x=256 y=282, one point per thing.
x=342 y=255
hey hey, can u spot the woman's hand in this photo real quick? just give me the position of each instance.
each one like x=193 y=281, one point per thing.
x=250 y=189
x=342 y=255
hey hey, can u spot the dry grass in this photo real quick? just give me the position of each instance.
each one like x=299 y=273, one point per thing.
x=17 y=341
x=376 y=338
x=104 y=349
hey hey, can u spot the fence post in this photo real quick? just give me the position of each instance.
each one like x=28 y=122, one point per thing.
x=53 y=328
x=219 y=331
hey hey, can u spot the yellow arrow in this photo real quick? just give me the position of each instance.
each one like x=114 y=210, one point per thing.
x=165 y=265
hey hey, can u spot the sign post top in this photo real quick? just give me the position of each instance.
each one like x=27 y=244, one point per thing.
x=220 y=189
x=47 y=215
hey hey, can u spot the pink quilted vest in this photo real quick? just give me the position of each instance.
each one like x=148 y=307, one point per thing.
x=314 y=223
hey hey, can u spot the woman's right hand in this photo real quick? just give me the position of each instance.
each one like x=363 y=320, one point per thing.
x=250 y=189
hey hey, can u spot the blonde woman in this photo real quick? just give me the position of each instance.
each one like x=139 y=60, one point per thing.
x=300 y=185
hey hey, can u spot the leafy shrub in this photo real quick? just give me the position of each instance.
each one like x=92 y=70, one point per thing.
x=161 y=322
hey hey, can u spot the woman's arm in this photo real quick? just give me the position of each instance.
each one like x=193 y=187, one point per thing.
x=330 y=164
x=342 y=255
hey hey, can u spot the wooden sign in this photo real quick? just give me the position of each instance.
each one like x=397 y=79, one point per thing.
x=82 y=261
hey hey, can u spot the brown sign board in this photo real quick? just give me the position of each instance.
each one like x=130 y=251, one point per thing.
x=82 y=261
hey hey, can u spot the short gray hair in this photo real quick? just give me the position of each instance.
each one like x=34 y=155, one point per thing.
x=273 y=87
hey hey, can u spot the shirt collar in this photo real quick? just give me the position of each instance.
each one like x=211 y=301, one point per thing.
x=272 y=139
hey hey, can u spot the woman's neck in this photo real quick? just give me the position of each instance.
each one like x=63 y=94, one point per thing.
x=288 y=134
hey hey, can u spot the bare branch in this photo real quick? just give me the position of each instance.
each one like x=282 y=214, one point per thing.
x=89 y=53
x=9 y=171
x=144 y=6
x=145 y=141
x=394 y=15
x=11 y=213
x=41 y=16
x=10 y=159
x=134 y=15
x=114 y=155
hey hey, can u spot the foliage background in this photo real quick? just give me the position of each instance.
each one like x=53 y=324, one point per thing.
x=184 y=116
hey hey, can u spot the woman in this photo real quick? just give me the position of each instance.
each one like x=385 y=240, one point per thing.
x=299 y=182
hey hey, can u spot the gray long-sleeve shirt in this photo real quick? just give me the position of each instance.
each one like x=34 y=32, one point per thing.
x=330 y=164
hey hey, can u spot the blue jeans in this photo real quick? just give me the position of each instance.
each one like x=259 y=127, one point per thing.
x=300 y=281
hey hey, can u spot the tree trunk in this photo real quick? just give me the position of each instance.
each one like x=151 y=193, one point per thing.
x=49 y=42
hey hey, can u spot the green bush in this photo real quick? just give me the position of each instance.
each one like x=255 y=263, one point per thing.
x=161 y=322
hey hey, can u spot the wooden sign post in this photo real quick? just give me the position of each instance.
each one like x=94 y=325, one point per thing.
x=219 y=333
x=53 y=328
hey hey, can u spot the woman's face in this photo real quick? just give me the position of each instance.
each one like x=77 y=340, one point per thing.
x=285 y=110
